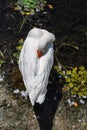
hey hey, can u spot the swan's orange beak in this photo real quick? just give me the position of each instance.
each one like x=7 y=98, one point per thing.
x=39 y=53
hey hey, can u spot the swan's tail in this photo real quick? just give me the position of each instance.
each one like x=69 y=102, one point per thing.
x=38 y=89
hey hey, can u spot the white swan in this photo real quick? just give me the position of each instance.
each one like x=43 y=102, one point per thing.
x=35 y=63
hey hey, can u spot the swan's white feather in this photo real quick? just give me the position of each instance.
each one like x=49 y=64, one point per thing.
x=35 y=71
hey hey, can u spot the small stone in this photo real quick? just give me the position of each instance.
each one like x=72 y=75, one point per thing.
x=16 y=91
x=81 y=101
x=44 y=12
x=1 y=79
x=37 y=117
x=34 y=116
x=79 y=120
x=9 y=28
x=56 y=122
x=84 y=97
x=37 y=10
x=73 y=126
x=24 y=94
x=54 y=98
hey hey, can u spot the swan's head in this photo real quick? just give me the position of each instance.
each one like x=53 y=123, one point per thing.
x=44 y=38
x=44 y=42
x=35 y=33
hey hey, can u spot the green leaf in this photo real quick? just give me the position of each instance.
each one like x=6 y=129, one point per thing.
x=68 y=79
x=19 y=47
x=73 y=74
x=70 y=84
x=80 y=93
x=75 y=89
x=73 y=92
x=85 y=93
x=16 y=54
x=80 y=72
x=68 y=72
x=1 y=61
x=28 y=5
x=82 y=68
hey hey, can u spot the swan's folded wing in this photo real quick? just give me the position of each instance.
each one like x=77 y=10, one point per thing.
x=28 y=60
x=39 y=83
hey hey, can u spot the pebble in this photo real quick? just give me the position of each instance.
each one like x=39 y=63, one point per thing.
x=36 y=117
x=9 y=28
x=73 y=126
x=81 y=101
x=16 y=91
x=84 y=97
x=70 y=102
x=37 y=10
x=1 y=79
x=44 y=12
x=24 y=94
x=79 y=120
x=54 y=98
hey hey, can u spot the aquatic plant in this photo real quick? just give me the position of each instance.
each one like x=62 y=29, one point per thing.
x=30 y=6
x=75 y=77
x=19 y=47
x=76 y=81
x=1 y=58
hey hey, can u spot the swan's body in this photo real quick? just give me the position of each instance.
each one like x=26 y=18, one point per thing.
x=34 y=69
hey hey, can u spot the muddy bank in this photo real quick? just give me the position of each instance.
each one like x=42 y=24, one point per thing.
x=16 y=113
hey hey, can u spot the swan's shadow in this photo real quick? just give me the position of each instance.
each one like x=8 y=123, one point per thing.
x=46 y=112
